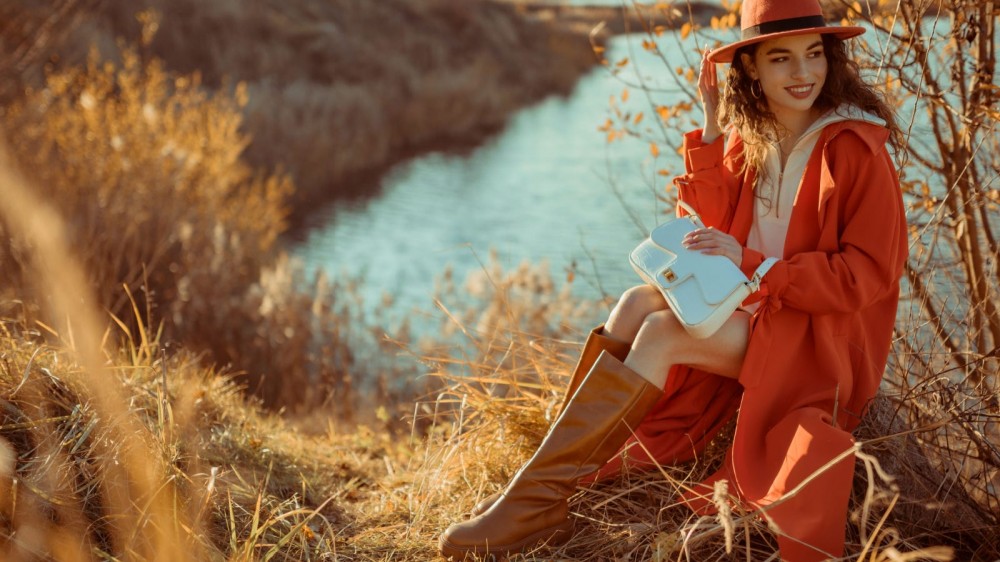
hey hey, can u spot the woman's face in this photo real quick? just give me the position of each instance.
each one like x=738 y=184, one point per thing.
x=791 y=71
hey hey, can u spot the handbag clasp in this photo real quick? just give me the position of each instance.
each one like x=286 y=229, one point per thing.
x=669 y=275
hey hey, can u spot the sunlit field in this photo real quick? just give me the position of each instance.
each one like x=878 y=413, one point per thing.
x=173 y=386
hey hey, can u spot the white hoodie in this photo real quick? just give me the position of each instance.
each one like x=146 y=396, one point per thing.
x=778 y=188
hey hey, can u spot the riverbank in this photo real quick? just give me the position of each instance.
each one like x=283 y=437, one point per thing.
x=628 y=18
x=200 y=176
x=336 y=92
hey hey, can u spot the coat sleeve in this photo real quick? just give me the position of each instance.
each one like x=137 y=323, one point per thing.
x=872 y=238
x=710 y=183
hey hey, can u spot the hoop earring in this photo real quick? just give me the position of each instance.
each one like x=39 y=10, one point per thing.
x=760 y=90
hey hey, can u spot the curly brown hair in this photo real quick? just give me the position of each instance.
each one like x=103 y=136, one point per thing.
x=757 y=125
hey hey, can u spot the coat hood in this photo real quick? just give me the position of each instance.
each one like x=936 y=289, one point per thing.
x=852 y=114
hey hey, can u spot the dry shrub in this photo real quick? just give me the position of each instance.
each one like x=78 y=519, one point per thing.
x=924 y=497
x=935 y=433
x=527 y=300
x=147 y=169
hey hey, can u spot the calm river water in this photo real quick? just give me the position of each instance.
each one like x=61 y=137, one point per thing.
x=548 y=187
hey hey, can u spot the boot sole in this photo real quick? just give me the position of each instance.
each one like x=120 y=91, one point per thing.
x=551 y=536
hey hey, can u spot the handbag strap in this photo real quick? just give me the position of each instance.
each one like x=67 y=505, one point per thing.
x=760 y=272
x=687 y=207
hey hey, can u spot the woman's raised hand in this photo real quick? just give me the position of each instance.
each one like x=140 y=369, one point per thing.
x=715 y=243
x=708 y=92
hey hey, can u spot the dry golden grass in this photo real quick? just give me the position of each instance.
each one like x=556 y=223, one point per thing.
x=236 y=482
x=126 y=451
x=249 y=485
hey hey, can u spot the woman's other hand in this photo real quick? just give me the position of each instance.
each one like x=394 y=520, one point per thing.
x=708 y=93
x=714 y=243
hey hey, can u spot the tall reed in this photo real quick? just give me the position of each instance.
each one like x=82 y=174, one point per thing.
x=142 y=519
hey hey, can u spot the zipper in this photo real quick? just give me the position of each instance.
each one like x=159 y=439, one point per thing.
x=777 y=199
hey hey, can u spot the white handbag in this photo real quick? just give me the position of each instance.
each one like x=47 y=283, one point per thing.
x=703 y=291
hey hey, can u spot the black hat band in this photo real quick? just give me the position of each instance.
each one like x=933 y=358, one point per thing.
x=778 y=26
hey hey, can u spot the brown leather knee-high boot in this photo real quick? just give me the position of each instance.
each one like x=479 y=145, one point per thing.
x=592 y=348
x=596 y=342
x=533 y=509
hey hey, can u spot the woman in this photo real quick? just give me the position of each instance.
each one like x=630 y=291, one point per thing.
x=804 y=176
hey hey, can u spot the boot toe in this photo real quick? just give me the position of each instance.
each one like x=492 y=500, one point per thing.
x=466 y=541
x=455 y=541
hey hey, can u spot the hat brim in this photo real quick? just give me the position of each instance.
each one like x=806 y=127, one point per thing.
x=727 y=52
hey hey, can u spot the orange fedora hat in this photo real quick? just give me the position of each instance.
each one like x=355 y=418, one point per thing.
x=761 y=20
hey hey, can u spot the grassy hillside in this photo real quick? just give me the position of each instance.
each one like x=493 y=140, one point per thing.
x=125 y=451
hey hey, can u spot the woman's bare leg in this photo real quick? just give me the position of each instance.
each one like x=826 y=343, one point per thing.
x=663 y=342
x=660 y=342
x=631 y=311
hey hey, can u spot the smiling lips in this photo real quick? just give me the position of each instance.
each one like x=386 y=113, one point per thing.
x=800 y=92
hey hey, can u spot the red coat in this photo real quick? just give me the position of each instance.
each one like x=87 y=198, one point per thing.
x=818 y=344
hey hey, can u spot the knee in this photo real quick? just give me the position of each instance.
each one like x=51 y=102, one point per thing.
x=659 y=342
x=640 y=301
x=662 y=330
x=635 y=305
x=662 y=322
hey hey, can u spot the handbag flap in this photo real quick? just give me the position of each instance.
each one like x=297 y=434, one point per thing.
x=717 y=277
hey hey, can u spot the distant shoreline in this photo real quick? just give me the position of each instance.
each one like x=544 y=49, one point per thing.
x=616 y=20
x=628 y=18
